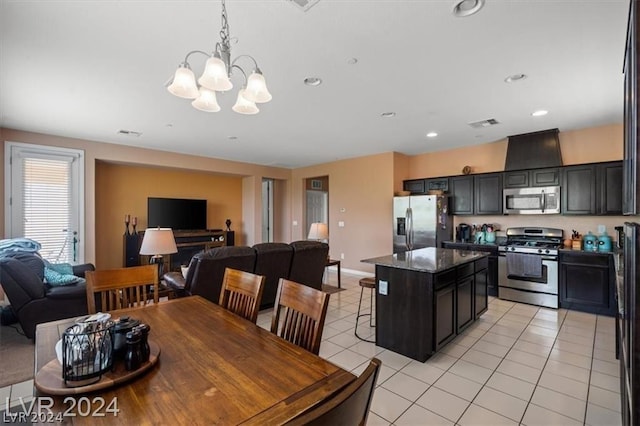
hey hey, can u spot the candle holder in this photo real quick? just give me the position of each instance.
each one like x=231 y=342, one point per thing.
x=126 y=224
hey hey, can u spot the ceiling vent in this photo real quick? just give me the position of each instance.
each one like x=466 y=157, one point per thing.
x=483 y=123
x=129 y=133
x=304 y=4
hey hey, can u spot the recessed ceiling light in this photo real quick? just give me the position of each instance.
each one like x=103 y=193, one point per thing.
x=539 y=113
x=313 y=81
x=515 y=77
x=352 y=61
x=388 y=114
x=467 y=7
x=432 y=134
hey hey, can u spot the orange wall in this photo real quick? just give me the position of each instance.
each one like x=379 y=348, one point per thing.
x=113 y=153
x=590 y=145
x=361 y=197
x=122 y=189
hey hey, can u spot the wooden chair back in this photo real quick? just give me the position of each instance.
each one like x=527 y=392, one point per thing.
x=303 y=310
x=122 y=288
x=350 y=406
x=242 y=293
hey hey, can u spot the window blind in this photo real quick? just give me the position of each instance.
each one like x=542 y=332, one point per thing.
x=46 y=203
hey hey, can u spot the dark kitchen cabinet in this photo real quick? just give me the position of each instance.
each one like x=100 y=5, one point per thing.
x=481 y=302
x=464 y=302
x=609 y=188
x=585 y=282
x=488 y=193
x=445 y=315
x=532 y=178
x=462 y=194
x=492 y=263
x=437 y=184
x=579 y=189
x=415 y=186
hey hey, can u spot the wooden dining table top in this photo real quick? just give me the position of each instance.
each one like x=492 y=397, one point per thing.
x=214 y=368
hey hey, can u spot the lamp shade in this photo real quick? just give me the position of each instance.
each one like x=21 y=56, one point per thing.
x=184 y=83
x=158 y=241
x=206 y=101
x=257 y=88
x=215 y=75
x=244 y=106
x=318 y=231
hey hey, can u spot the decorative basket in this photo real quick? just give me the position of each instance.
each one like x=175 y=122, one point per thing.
x=87 y=352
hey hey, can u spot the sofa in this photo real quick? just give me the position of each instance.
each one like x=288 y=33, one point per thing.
x=300 y=261
x=32 y=300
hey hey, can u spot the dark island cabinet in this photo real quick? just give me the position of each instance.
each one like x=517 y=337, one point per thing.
x=488 y=193
x=444 y=314
x=586 y=282
x=464 y=303
x=609 y=181
x=490 y=275
x=462 y=194
x=579 y=190
x=481 y=287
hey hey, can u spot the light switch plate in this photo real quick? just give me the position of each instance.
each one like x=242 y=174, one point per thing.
x=383 y=287
x=341 y=224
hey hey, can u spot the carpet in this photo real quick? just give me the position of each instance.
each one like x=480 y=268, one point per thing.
x=331 y=289
x=17 y=356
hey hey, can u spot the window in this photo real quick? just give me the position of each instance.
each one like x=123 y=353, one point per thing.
x=44 y=186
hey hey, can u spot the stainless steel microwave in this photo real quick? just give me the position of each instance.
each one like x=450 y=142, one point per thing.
x=539 y=200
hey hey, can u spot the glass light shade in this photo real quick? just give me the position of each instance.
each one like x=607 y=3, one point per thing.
x=215 y=76
x=256 y=90
x=318 y=231
x=158 y=241
x=184 y=84
x=207 y=101
x=244 y=106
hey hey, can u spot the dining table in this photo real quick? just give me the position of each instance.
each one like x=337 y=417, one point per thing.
x=213 y=367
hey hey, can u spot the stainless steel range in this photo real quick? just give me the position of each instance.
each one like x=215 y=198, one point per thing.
x=528 y=266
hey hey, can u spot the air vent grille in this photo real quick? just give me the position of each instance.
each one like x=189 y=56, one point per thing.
x=483 y=123
x=129 y=133
x=304 y=4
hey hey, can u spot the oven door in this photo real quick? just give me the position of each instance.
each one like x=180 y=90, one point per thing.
x=537 y=291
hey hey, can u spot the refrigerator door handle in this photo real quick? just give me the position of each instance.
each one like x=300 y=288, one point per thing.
x=409 y=236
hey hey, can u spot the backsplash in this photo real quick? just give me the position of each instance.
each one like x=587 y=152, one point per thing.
x=582 y=224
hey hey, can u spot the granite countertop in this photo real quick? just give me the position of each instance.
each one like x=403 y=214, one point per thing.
x=474 y=243
x=429 y=259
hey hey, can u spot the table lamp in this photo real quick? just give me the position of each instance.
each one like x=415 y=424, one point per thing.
x=155 y=243
x=318 y=231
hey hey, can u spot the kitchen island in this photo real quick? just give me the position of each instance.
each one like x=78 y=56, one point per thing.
x=425 y=297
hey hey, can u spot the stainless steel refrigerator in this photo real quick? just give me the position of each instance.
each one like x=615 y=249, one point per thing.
x=421 y=221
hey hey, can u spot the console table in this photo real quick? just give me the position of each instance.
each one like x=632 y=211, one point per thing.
x=188 y=243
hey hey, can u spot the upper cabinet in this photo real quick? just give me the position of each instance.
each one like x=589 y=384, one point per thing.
x=415 y=186
x=488 y=193
x=609 y=188
x=578 y=189
x=461 y=194
x=530 y=178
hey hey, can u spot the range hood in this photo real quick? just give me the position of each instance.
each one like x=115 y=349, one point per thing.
x=533 y=150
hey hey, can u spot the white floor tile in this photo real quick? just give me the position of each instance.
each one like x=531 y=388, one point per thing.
x=459 y=386
x=375 y=420
x=498 y=339
x=560 y=403
x=348 y=359
x=454 y=350
x=482 y=359
x=443 y=403
x=604 y=398
x=501 y=403
x=605 y=381
x=519 y=371
x=526 y=358
x=423 y=372
x=405 y=386
x=471 y=371
x=491 y=348
x=606 y=367
x=416 y=415
x=441 y=361
x=479 y=416
x=532 y=348
x=578 y=360
x=539 y=416
x=598 y=416
x=564 y=385
x=512 y=386
x=388 y=405
x=393 y=360
x=567 y=370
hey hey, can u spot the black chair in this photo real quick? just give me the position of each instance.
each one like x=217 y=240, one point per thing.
x=350 y=406
x=273 y=260
x=309 y=262
x=34 y=302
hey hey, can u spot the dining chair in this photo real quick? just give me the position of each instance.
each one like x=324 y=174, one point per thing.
x=303 y=310
x=122 y=287
x=241 y=293
x=350 y=406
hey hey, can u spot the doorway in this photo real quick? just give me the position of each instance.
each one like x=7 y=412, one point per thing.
x=317 y=201
x=267 y=210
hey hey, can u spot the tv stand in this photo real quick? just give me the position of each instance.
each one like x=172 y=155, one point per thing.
x=188 y=243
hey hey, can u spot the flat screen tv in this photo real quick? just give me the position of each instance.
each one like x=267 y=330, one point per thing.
x=177 y=213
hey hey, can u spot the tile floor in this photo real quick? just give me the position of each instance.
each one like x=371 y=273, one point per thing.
x=518 y=364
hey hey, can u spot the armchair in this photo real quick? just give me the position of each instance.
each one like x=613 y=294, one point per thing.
x=34 y=302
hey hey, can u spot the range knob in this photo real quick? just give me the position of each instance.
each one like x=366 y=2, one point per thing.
x=540 y=250
x=513 y=249
x=546 y=251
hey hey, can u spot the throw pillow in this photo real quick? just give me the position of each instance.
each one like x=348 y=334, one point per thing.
x=55 y=278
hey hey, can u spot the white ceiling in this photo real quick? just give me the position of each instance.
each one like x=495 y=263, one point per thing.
x=87 y=69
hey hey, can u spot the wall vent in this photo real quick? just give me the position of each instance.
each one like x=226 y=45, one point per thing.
x=305 y=5
x=483 y=123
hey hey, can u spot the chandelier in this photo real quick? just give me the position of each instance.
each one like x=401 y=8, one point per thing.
x=216 y=77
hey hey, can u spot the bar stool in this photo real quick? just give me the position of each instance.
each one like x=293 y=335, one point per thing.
x=370 y=283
